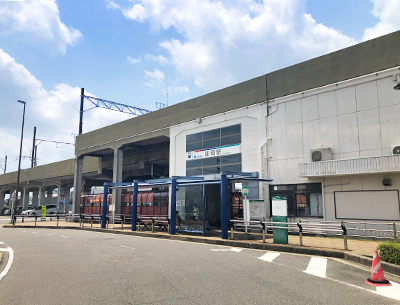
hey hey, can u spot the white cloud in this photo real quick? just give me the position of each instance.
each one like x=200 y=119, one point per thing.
x=133 y=61
x=37 y=22
x=54 y=112
x=156 y=75
x=388 y=13
x=160 y=59
x=178 y=89
x=218 y=37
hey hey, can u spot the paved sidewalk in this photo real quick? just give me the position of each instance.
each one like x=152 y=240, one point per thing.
x=359 y=247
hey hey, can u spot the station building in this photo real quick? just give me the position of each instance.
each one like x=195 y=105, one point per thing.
x=327 y=131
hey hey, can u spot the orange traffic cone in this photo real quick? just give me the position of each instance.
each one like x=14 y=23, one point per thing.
x=377 y=278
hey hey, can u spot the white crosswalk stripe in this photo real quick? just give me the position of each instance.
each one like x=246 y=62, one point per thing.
x=317 y=266
x=269 y=256
x=389 y=291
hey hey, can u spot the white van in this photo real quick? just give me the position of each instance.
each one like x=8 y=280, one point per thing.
x=50 y=209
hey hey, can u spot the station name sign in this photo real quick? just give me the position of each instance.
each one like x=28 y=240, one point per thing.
x=213 y=152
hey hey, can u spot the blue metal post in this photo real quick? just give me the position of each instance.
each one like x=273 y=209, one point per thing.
x=134 y=204
x=173 y=205
x=104 y=210
x=224 y=205
x=204 y=210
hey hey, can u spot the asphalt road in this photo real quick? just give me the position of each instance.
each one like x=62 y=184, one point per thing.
x=54 y=266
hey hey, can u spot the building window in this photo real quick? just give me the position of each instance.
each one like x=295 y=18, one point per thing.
x=209 y=141
x=303 y=200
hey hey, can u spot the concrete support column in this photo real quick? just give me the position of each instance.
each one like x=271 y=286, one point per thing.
x=76 y=197
x=63 y=196
x=2 y=195
x=50 y=198
x=25 y=199
x=42 y=196
x=20 y=196
x=117 y=178
x=35 y=198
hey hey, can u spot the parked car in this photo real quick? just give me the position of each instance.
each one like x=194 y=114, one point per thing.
x=3 y=211
x=50 y=209
x=7 y=211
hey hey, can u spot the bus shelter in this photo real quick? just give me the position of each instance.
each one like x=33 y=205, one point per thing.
x=174 y=183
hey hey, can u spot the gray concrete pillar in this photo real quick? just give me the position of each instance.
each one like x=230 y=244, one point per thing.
x=35 y=197
x=42 y=196
x=76 y=198
x=25 y=200
x=50 y=199
x=117 y=178
x=62 y=208
x=2 y=195
x=20 y=196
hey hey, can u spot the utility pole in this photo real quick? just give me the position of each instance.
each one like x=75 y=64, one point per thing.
x=33 y=161
x=19 y=163
x=81 y=111
x=5 y=165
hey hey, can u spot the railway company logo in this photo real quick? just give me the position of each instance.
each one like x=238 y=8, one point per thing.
x=189 y=155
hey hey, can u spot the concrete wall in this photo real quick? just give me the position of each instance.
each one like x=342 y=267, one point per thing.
x=356 y=118
x=368 y=57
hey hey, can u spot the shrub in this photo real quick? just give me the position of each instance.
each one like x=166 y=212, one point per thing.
x=390 y=252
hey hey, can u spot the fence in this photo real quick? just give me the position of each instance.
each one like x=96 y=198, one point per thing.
x=329 y=228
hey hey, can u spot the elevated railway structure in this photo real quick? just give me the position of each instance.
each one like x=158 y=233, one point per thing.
x=340 y=105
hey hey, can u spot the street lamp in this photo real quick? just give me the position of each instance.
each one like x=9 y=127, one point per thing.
x=19 y=163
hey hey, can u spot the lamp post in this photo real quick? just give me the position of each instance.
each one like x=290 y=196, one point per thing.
x=19 y=163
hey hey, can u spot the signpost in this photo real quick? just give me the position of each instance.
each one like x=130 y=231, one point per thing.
x=246 y=207
x=43 y=218
x=279 y=214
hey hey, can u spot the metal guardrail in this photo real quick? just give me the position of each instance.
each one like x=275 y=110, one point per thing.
x=318 y=227
x=57 y=216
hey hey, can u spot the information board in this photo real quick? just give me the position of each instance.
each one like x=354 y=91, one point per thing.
x=257 y=209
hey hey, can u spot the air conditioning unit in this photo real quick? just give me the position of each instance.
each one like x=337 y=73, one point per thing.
x=395 y=149
x=321 y=154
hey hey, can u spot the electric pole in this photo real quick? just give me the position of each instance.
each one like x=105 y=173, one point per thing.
x=33 y=161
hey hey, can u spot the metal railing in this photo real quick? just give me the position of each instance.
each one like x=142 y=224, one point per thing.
x=51 y=216
x=330 y=228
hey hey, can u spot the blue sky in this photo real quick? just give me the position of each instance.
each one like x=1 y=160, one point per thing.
x=135 y=52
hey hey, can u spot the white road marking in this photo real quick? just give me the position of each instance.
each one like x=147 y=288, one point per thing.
x=219 y=250
x=235 y=249
x=9 y=263
x=127 y=247
x=1 y=243
x=389 y=291
x=317 y=266
x=269 y=256
x=23 y=231
x=64 y=236
x=34 y=232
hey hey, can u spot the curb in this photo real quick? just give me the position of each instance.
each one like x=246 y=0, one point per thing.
x=362 y=260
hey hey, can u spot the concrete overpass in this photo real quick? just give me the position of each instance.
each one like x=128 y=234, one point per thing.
x=42 y=180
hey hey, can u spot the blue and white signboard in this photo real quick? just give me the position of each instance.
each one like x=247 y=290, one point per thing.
x=213 y=152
